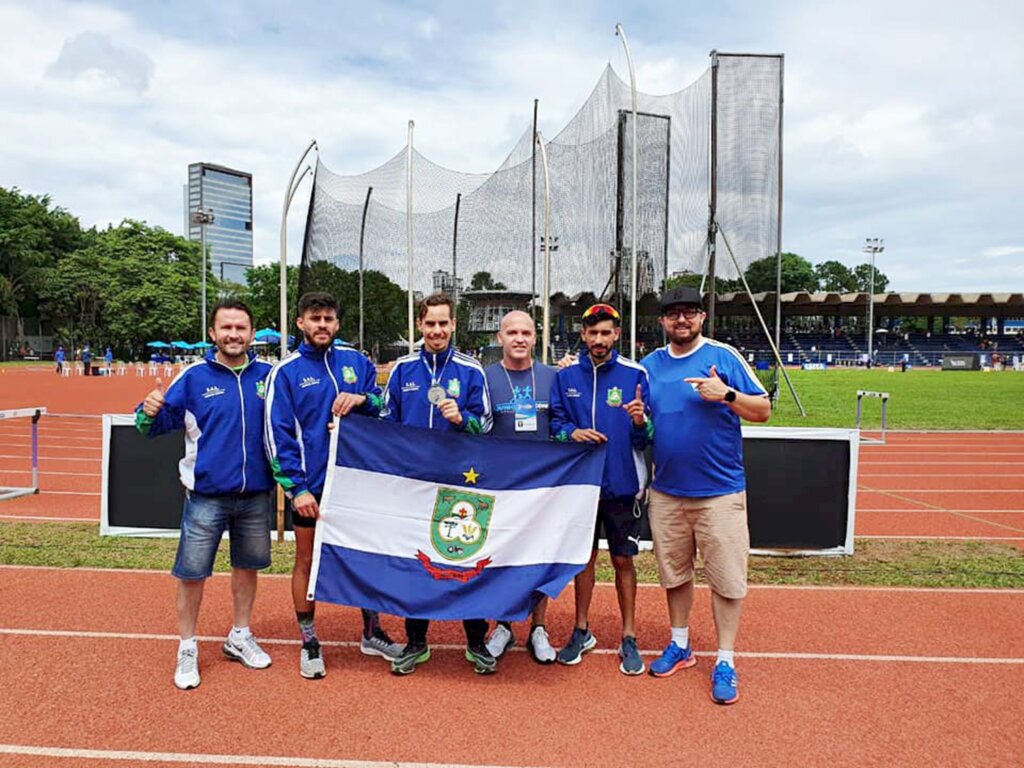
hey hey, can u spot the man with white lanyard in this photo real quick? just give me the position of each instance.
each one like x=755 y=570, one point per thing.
x=520 y=389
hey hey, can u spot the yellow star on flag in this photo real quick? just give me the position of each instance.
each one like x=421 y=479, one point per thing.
x=471 y=476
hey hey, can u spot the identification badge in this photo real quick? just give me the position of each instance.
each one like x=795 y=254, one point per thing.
x=435 y=394
x=525 y=414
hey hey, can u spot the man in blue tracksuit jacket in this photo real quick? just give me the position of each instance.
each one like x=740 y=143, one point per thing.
x=219 y=404
x=313 y=382
x=602 y=398
x=439 y=388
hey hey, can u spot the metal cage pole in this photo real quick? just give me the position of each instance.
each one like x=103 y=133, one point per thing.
x=408 y=229
x=455 y=262
x=288 y=195
x=633 y=223
x=546 y=331
x=533 y=221
x=362 y=235
x=713 y=200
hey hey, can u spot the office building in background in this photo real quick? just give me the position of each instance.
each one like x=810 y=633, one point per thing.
x=228 y=194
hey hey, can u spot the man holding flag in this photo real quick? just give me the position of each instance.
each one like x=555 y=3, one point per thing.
x=440 y=389
x=588 y=404
x=306 y=387
x=521 y=392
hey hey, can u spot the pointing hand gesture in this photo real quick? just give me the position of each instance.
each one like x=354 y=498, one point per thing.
x=710 y=388
x=154 y=400
x=635 y=407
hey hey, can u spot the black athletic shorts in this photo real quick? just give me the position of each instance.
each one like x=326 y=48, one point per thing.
x=621 y=520
x=298 y=521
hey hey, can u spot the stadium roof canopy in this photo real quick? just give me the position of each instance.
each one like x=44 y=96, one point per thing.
x=886 y=304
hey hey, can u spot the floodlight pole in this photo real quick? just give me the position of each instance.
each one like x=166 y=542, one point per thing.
x=546 y=331
x=293 y=184
x=202 y=218
x=872 y=245
x=408 y=228
x=632 y=227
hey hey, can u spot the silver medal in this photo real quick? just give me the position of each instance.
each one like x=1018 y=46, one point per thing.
x=435 y=394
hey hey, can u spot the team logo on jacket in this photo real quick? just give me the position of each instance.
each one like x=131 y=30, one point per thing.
x=458 y=527
x=454 y=387
x=308 y=381
x=572 y=392
x=212 y=392
x=348 y=374
x=261 y=389
x=614 y=397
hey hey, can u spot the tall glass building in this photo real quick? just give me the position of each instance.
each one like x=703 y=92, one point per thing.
x=228 y=193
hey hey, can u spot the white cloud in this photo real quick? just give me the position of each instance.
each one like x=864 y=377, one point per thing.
x=95 y=54
x=427 y=28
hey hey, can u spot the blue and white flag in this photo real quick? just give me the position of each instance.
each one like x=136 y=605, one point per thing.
x=442 y=525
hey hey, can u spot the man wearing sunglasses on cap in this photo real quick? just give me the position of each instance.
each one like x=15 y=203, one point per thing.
x=700 y=389
x=601 y=398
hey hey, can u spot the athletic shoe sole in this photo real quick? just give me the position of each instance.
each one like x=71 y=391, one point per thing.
x=187 y=686
x=733 y=700
x=481 y=669
x=234 y=655
x=423 y=658
x=691 y=662
x=587 y=646
x=369 y=650
x=313 y=675
x=623 y=670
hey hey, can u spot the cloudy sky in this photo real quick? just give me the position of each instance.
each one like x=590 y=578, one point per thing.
x=904 y=118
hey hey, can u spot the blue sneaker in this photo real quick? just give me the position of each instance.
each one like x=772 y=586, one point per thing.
x=582 y=640
x=724 y=685
x=672 y=660
x=632 y=663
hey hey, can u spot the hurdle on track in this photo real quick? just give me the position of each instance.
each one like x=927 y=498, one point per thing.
x=22 y=413
x=884 y=397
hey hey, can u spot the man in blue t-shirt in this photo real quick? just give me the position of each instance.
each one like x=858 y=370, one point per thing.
x=700 y=389
x=520 y=397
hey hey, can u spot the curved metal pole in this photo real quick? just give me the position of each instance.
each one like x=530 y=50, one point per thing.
x=362 y=234
x=546 y=331
x=408 y=228
x=288 y=195
x=632 y=226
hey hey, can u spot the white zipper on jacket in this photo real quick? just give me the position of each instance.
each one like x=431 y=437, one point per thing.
x=337 y=389
x=241 y=400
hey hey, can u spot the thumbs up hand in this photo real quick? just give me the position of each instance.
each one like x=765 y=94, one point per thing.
x=635 y=407
x=154 y=400
x=710 y=387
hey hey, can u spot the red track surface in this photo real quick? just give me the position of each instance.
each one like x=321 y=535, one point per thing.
x=828 y=676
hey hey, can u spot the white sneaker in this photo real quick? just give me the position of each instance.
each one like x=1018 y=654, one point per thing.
x=186 y=673
x=247 y=651
x=311 y=663
x=501 y=640
x=540 y=646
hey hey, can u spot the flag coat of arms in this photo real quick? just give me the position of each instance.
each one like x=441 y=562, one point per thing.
x=443 y=525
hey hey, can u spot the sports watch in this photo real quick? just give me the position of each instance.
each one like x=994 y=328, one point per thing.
x=730 y=396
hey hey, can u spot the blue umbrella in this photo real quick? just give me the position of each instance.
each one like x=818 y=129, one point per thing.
x=158 y=344
x=269 y=335
x=181 y=345
x=202 y=345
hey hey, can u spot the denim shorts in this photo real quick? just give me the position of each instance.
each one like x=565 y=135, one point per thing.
x=204 y=520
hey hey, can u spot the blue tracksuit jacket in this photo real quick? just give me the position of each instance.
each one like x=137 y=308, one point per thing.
x=299 y=397
x=222 y=413
x=589 y=397
x=405 y=397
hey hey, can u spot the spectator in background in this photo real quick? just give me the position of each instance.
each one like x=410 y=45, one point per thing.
x=108 y=358
x=59 y=359
x=87 y=359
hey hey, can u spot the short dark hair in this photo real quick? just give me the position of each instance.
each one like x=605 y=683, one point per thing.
x=318 y=300
x=436 y=300
x=231 y=303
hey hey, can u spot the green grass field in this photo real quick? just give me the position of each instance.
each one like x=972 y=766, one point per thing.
x=918 y=399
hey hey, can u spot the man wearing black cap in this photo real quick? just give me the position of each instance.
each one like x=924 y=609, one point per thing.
x=700 y=389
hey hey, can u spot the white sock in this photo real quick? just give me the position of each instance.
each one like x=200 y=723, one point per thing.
x=681 y=636
x=187 y=644
x=240 y=633
x=727 y=657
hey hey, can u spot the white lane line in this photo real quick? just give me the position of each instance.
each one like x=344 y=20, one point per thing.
x=43 y=518
x=931 y=490
x=931 y=463
x=92 y=635
x=195 y=758
x=862 y=475
x=50 y=458
x=601 y=584
x=941 y=538
x=64 y=474
x=953 y=511
x=45 y=492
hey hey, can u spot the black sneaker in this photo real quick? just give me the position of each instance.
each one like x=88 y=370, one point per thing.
x=411 y=656
x=481 y=659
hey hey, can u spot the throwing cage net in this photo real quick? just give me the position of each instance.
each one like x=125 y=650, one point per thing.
x=464 y=223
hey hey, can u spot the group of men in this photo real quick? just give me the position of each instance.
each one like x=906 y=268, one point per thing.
x=685 y=400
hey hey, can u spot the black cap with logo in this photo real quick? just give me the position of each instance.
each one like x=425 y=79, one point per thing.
x=682 y=294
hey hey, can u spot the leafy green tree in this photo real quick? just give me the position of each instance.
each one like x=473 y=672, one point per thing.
x=797 y=274
x=263 y=295
x=482 y=281
x=863 y=274
x=835 y=276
